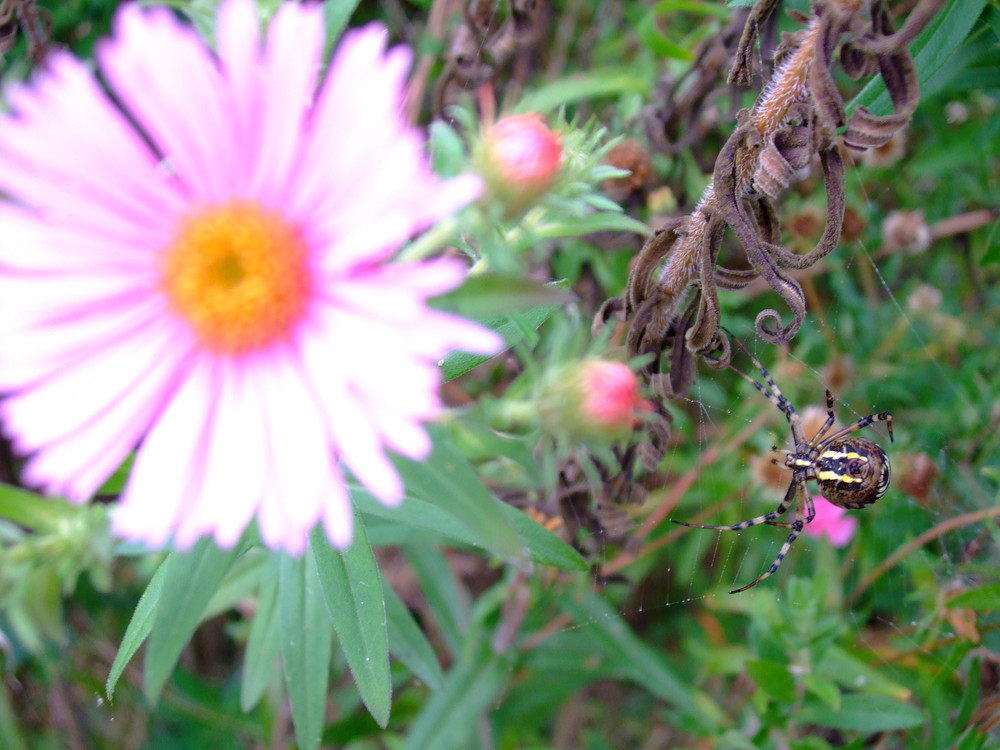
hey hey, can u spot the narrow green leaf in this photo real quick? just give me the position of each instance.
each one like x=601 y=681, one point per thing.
x=263 y=644
x=138 y=628
x=191 y=580
x=416 y=513
x=242 y=580
x=306 y=633
x=352 y=587
x=650 y=27
x=488 y=296
x=604 y=221
x=448 y=480
x=29 y=509
x=864 y=713
x=448 y=720
x=542 y=545
x=985 y=597
x=336 y=15
x=514 y=328
x=408 y=643
x=445 y=599
x=930 y=51
x=549 y=97
x=634 y=659
x=849 y=672
x=10 y=733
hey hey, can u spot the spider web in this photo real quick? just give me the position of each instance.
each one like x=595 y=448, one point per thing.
x=899 y=363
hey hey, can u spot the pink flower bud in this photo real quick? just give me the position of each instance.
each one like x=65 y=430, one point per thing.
x=832 y=522
x=610 y=394
x=593 y=400
x=520 y=158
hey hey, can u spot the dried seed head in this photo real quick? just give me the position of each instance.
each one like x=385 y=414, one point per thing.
x=906 y=231
x=839 y=373
x=916 y=472
x=631 y=156
x=854 y=225
x=924 y=299
x=806 y=223
x=769 y=474
x=813 y=418
x=887 y=154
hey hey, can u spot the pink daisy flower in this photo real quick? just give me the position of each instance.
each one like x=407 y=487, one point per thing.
x=200 y=264
x=832 y=522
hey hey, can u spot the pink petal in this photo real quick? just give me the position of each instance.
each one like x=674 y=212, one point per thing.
x=170 y=465
x=292 y=60
x=184 y=106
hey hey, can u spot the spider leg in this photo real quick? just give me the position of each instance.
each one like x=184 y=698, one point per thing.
x=810 y=513
x=796 y=528
x=782 y=508
x=859 y=425
x=772 y=392
x=830 y=419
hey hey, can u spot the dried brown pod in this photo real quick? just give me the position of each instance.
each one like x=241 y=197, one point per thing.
x=672 y=300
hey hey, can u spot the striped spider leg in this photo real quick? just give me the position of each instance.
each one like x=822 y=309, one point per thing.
x=851 y=471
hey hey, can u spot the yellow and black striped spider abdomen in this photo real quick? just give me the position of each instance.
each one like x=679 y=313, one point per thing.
x=852 y=472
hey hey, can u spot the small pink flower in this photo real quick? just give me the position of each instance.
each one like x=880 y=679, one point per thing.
x=520 y=158
x=832 y=522
x=200 y=265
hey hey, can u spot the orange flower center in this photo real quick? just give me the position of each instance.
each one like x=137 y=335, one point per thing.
x=238 y=274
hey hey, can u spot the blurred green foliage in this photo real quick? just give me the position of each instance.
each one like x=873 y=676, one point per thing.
x=500 y=634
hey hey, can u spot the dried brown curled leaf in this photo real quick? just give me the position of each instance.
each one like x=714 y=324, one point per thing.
x=794 y=123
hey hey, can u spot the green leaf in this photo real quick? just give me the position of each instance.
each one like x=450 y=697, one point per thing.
x=10 y=734
x=306 y=634
x=408 y=643
x=863 y=713
x=352 y=587
x=605 y=221
x=190 y=581
x=826 y=690
x=447 y=479
x=29 y=509
x=445 y=599
x=415 y=513
x=984 y=597
x=550 y=97
x=513 y=327
x=263 y=645
x=138 y=628
x=649 y=29
x=115 y=484
x=336 y=14
x=850 y=672
x=448 y=720
x=488 y=296
x=636 y=660
x=930 y=51
x=773 y=678
x=242 y=580
x=542 y=545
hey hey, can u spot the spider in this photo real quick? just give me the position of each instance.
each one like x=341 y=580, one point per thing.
x=851 y=471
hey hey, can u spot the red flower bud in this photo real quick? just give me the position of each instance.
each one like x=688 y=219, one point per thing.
x=520 y=158
x=594 y=400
